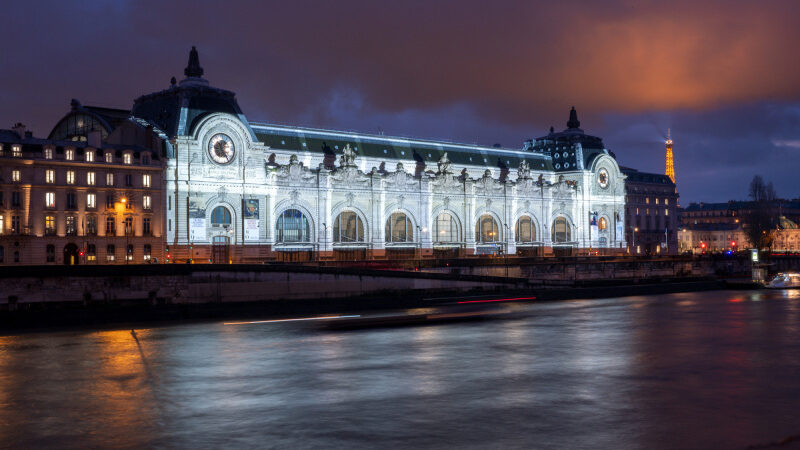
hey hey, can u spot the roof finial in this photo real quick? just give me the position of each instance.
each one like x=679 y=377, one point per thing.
x=193 y=69
x=668 y=137
x=573 y=119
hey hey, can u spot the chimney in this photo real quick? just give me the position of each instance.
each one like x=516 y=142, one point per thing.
x=94 y=139
x=19 y=128
x=148 y=137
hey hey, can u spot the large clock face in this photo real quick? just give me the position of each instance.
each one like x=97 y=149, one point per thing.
x=602 y=178
x=220 y=149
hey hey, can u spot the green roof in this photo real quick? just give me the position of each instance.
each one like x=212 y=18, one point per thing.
x=330 y=142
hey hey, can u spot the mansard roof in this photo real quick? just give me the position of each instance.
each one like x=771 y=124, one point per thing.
x=635 y=176
x=81 y=120
x=592 y=146
x=179 y=108
x=388 y=148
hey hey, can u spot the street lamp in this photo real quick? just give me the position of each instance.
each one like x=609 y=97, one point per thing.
x=505 y=247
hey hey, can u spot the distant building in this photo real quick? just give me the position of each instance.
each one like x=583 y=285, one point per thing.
x=733 y=212
x=651 y=210
x=80 y=200
x=716 y=236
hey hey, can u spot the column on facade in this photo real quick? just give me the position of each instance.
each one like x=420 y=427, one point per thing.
x=378 y=194
x=424 y=212
x=469 y=211
x=510 y=206
x=324 y=222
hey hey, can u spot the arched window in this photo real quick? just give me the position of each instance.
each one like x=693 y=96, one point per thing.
x=348 y=227
x=561 y=232
x=220 y=216
x=446 y=228
x=486 y=230
x=399 y=228
x=525 y=230
x=293 y=226
x=602 y=224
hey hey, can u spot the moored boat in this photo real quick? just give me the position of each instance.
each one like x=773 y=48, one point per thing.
x=785 y=281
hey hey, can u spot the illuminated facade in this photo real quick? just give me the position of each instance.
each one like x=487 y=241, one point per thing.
x=78 y=201
x=184 y=176
x=243 y=191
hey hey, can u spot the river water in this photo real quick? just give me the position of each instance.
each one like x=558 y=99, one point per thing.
x=693 y=370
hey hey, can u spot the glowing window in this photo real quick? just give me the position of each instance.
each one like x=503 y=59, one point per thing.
x=446 y=228
x=348 y=227
x=50 y=199
x=89 y=156
x=127 y=158
x=49 y=176
x=70 y=177
x=69 y=154
x=399 y=228
x=293 y=226
x=15 y=176
x=561 y=231
x=220 y=216
x=486 y=230
x=90 y=178
x=525 y=230
x=146 y=180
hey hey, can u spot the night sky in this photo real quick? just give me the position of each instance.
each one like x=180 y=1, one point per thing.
x=723 y=75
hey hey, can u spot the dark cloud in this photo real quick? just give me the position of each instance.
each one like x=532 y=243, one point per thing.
x=721 y=74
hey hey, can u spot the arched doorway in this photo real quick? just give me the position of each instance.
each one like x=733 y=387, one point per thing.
x=71 y=256
x=220 y=253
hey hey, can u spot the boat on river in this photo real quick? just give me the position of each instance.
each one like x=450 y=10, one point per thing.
x=789 y=280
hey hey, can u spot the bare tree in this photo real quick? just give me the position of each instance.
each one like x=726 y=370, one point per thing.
x=761 y=217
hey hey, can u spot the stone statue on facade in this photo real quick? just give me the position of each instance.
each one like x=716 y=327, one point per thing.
x=444 y=164
x=524 y=171
x=348 y=157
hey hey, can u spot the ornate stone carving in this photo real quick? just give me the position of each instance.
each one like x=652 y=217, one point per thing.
x=444 y=164
x=350 y=198
x=295 y=173
x=348 y=157
x=350 y=177
x=488 y=185
x=524 y=171
x=401 y=180
x=446 y=202
x=446 y=183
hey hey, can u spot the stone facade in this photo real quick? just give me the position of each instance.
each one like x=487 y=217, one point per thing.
x=78 y=202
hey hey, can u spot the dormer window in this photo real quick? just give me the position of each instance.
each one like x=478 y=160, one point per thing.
x=69 y=154
x=89 y=156
x=126 y=158
x=16 y=151
x=48 y=153
x=109 y=157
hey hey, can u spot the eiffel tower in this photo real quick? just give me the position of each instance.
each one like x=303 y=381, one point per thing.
x=670 y=170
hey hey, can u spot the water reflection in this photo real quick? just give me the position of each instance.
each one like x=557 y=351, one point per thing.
x=694 y=370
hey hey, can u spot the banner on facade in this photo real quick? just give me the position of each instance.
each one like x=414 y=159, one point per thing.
x=197 y=229
x=250 y=208
x=196 y=211
x=250 y=229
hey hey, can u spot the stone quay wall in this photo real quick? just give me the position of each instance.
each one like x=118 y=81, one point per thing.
x=171 y=284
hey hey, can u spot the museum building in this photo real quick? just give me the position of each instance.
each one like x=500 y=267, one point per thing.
x=184 y=176
x=241 y=191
